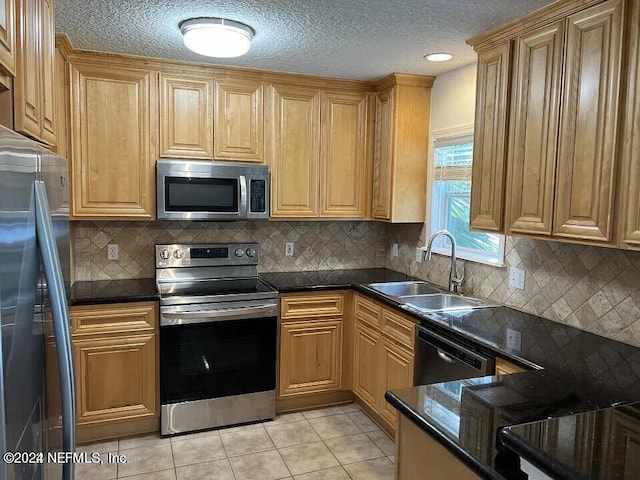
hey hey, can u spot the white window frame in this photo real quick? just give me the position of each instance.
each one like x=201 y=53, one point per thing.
x=452 y=136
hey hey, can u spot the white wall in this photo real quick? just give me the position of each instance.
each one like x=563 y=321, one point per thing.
x=453 y=99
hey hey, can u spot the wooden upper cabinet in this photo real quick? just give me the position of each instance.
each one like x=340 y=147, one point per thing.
x=239 y=121
x=401 y=148
x=28 y=91
x=34 y=87
x=490 y=138
x=630 y=172
x=534 y=134
x=8 y=37
x=48 y=79
x=186 y=117
x=588 y=131
x=113 y=142
x=343 y=155
x=382 y=154
x=295 y=151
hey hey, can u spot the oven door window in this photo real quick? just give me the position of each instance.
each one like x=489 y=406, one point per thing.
x=218 y=359
x=183 y=194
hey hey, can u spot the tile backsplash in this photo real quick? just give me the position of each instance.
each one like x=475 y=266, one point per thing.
x=318 y=245
x=590 y=288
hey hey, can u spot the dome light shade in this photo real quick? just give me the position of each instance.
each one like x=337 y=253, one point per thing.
x=216 y=37
x=438 y=57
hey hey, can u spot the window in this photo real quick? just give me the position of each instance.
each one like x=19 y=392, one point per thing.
x=451 y=202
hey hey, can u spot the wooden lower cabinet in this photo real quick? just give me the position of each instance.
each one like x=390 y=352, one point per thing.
x=396 y=371
x=115 y=354
x=116 y=377
x=310 y=357
x=311 y=360
x=504 y=367
x=365 y=364
x=417 y=453
x=381 y=361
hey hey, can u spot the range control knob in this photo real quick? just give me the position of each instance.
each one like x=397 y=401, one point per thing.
x=239 y=252
x=165 y=254
x=178 y=254
x=251 y=252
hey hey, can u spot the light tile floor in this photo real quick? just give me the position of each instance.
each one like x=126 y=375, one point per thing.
x=335 y=443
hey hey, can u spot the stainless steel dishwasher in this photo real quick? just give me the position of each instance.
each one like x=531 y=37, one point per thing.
x=442 y=359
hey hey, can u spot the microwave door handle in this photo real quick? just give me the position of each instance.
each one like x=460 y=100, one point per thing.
x=243 y=196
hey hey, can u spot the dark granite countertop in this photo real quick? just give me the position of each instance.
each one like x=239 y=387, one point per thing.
x=288 y=282
x=588 y=445
x=114 y=291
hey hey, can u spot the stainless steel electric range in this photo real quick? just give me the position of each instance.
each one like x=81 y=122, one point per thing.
x=218 y=324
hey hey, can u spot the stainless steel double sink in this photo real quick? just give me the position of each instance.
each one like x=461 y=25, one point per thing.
x=423 y=297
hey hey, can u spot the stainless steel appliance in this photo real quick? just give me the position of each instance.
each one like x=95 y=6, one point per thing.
x=37 y=409
x=188 y=190
x=218 y=324
x=441 y=359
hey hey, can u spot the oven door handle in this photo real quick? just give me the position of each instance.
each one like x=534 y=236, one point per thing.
x=208 y=316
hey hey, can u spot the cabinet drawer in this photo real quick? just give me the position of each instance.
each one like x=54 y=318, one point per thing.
x=121 y=317
x=317 y=305
x=398 y=328
x=367 y=312
x=505 y=367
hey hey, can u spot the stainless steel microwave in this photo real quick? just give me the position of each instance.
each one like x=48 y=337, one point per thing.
x=189 y=190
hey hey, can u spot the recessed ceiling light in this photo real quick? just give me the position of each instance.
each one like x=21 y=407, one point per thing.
x=216 y=37
x=438 y=57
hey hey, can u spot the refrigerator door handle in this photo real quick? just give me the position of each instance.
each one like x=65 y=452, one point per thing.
x=60 y=313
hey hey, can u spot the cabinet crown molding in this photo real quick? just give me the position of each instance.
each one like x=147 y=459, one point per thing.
x=404 y=79
x=547 y=14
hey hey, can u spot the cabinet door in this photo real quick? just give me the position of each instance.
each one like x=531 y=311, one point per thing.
x=186 y=117
x=48 y=65
x=8 y=36
x=366 y=355
x=395 y=371
x=588 y=130
x=383 y=155
x=622 y=450
x=62 y=105
x=343 y=160
x=296 y=151
x=630 y=178
x=239 y=121
x=113 y=142
x=310 y=357
x=534 y=135
x=28 y=94
x=489 y=147
x=115 y=377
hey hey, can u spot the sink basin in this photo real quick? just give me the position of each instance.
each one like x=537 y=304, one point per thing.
x=442 y=302
x=399 y=289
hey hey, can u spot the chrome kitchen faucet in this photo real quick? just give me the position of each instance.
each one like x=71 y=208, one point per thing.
x=454 y=281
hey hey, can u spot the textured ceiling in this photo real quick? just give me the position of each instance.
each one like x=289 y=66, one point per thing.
x=359 y=39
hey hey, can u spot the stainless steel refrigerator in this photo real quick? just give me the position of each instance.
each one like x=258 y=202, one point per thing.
x=37 y=406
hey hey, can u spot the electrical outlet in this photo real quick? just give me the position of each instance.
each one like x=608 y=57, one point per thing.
x=112 y=251
x=516 y=278
x=394 y=250
x=288 y=249
x=419 y=255
x=514 y=339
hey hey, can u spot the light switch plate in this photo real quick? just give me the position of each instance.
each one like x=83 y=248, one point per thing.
x=514 y=339
x=394 y=250
x=516 y=278
x=419 y=255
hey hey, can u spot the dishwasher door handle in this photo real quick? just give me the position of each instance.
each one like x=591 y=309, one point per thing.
x=444 y=357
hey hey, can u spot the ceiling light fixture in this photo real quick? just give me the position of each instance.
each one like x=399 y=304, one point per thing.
x=216 y=37
x=438 y=57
